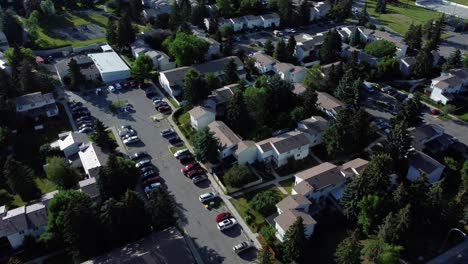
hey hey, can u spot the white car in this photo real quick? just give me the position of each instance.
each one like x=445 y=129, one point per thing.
x=118 y=86
x=242 y=246
x=158 y=103
x=131 y=140
x=226 y=224
x=111 y=89
x=206 y=197
x=85 y=130
x=143 y=163
x=180 y=152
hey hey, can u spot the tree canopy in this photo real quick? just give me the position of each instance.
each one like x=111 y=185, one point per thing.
x=20 y=179
x=205 y=145
x=237 y=176
x=380 y=48
x=331 y=47
x=60 y=172
x=161 y=209
x=265 y=202
x=116 y=177
x=186 y=49
x=295 y=242
x=142 y=68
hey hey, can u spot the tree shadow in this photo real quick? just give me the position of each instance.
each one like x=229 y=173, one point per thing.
x=233 y=231
x=210 y=255
x=249 y=255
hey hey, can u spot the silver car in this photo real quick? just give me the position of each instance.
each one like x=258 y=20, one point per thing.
x=242 y=246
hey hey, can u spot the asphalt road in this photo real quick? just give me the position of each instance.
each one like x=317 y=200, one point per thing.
x=213 y=245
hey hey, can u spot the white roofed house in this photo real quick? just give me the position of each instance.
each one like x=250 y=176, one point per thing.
x=92 y=158
x=326 y=179
x=70 y=142
x=271 y=20
x=313 y=128
x=308 y=49
x=450 y=83
x=111 y=67
x=36 y=104
x=201 y=116
x=279 y=149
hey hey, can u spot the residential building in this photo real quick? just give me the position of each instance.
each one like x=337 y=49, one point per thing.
x=271 y=20
x=308 y=49
x=160 y=7
x=290 y=72
x=278 y=149
x=313 y=129
x=161 y=61
x=298 y=89
x=4 y=63
x=319 y=10
x=361 y=56
x=86 y=64
x=227 y=138
x=405 y=65
x=70 y=142
x=163 y=247
x=4 y=45
x=201 y=116
x=329 y=104
x=92 y=158
x=287 y=218
x=252 y=22
x=110 y=66
x=36 y=104
x=246 y=152
x=325 y=179
x=448 y=84
x=214 y=48
x=421 y=163
x=263 y=62
x=424 y=134
x=220 y=97
x=293 y=201
x=237 y=23
x=90 y=187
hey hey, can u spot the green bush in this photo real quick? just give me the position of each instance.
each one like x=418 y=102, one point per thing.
x=237 y=176
x=268 y=234
x=380 y=48
x=264 y=202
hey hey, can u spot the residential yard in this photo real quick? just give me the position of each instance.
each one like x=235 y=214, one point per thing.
x=400 y=15
x=47 y=39
x=294 y=166
x=241 y=203
x=182 y=119
x=287 y=184
x=44 y=185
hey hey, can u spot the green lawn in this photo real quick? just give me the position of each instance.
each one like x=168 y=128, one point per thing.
x=175 y=149
x=287 y=184
x=444 y=117
x=399 y=16
x=47 y=39
x=45 y=185
x=182 y=119
x=463 y=117
x=241 y=203
x=461 y=2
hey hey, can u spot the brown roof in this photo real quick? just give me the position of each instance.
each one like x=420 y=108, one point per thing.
x=292 y=202
x=284 y=67
x=284 y=142
x=318 y=177
x=263 y=58
x=199 y=111
x=423 y=134
x=244 y=144
x=461 y=73
x=325 y=167
x=176 y=75
x=357 y=164
x=225 y=93
x=327 y=101
x=226 y=136
x=447 y=81
x=287 y=218
x=299 y=88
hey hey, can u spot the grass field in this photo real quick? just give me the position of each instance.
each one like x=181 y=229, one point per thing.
x=399 y=16
x=287 y=184
x=241 y=204
x=461 y=2
x=46 y=39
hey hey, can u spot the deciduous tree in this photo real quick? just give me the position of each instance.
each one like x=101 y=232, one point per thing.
x=237 y=176
x=264 y=202
x=60 y=172
x=380 y=48
x=142 y=68
x=186 y=49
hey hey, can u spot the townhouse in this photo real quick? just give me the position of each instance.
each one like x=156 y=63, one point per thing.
x=420 y=163
x=450 y=83
x=247 y=22
x=329 y=104
x=313 y=129
x=201 y=116
x=278 y=149
x=161 y=61
x=287 y=71
x=307 y=50
x=36 y=104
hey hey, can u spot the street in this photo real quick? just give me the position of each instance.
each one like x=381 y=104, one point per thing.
x=213 y=245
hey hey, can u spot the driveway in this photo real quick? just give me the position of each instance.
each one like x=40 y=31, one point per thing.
x=213 y=245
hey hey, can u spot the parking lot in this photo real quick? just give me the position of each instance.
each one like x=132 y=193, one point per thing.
x=213 y=245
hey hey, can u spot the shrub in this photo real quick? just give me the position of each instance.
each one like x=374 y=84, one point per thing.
x=380 y=48
x=268 y=234
x=237 y=176
x=264 y=202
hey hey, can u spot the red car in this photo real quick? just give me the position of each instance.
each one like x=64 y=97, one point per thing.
x=435 y=111
x=222 y=216
x=152 y=180
x=189 y=167
x=126 y=85
x=165 y=108
x=194 y=173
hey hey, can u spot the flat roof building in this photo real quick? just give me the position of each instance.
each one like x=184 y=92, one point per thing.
x=111 y=67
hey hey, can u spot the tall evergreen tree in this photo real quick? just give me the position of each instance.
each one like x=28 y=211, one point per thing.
x=413 y=37
x=285 y=10
x=422 y=66
x=230 y=72
x=26 y=76
x=410 y=112
x=237 y=116
x=224 y=7
x=194 y=88
x=265 y=256
x=136 y=7
x=370 y=213
x=454 y=61
x=348 y=251
x=355 y=39
x=398 y=145
x=11 y=26
x=291 y=47
x=363 y=16
x=111 y=32
x=205 y=145
x=101 y=137
x=281 y=51
x=303 y=13
x=76 y=77
x=331 y=47
x=348 y=89
x=381 y=6
x=161 y=209
x=268 y=48
x=116 y=177
x=309 y=101
x=295 y=242
x=125 y=32
x=20 y=179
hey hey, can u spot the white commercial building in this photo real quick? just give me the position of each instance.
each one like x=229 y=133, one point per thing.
x=111 y=67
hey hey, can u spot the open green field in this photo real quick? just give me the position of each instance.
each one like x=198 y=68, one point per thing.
x=47 y=39
x=399 y=16
x=461 y=2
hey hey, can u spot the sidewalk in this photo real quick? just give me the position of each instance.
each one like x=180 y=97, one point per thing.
x=262 y=185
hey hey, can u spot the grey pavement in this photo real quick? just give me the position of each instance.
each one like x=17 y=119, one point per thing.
x=213 y=246
x=455 y=127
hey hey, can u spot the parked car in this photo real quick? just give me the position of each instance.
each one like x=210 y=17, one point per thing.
x=79 y=108
x=88 y=123
x=133 y=84
x=386 y=89
x=81 y=114
x=99 y=91
x=84 y=118
x=189 y=167
x=226 y=224
x=85 y=130
x=180 y=152
x=147 y=168
x=206 y=197
x=84 y=125
x=153 y=186
x=163 y=108
x=149 y=173
x=184 y=159
x=151 y=180
x=128 y=135
x=158 y=103
x=118 y=86
x=176 y=142
x=167 y=132
x=150 y=93
x=131 y=140
x=73 y=104
x=435 y=111
x=242 y=246
x=195 y=172
x=222 y=216
x=139 y=155
x=143 y=163
x=111 y=89
x=199 y=178
x=126 y=85
x=156 y=98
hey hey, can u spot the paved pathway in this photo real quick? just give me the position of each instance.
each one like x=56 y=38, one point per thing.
x=262 y=185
